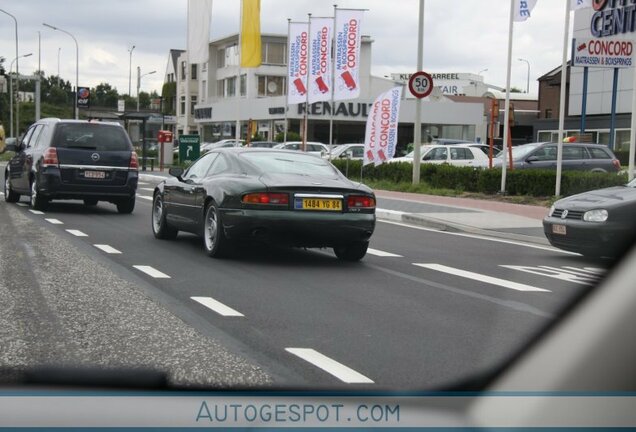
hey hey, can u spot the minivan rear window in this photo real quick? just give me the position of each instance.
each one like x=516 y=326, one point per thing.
x=91 y=136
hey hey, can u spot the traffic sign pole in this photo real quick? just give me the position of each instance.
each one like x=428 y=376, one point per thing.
x=417 y=132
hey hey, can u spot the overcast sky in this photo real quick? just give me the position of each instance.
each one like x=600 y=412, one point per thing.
x=459 y=35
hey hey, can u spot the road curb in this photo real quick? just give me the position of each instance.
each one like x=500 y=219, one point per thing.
x=440 y=225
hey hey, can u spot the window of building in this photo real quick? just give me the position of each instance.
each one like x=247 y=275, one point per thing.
x=231 y=56
x=274 y=53
x=622 y=140
x=182 y=106
x=204 y=67
x=204 y=90
x=193 y=102
x=230 y=88
x=220 y=58
x=548 y=113
x=183 y=70
x=193 y=69
x=271 y=86
x=243 y=85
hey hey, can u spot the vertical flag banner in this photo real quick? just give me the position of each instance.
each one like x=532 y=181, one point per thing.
x=347 y=54
x=320 y=31
x=580 y=4
x=523 y=9
x=381 y=134
x=298 y=62
x=251 y=34
x=199 y=14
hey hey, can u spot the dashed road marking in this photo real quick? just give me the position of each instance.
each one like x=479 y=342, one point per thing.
x=54 y=221
x=481 y=278
x=37 y=212
x=144 y=197
x=380 y=253
x=217 y=306
x=106 y=248
x=340 y=371
x=22 y=204
x=151 y=271
x=147 y=189
x=142 y=183
x=77 y=233
x=2 y=193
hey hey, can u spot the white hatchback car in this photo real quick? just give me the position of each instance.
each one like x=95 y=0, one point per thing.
x=457 y=155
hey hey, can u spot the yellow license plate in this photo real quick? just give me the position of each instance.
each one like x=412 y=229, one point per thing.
x=318 y=204
x=559 y=229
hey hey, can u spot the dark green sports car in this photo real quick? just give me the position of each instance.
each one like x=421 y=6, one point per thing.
x=277 y=196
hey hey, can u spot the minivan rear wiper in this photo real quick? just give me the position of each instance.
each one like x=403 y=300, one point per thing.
x=82 y=147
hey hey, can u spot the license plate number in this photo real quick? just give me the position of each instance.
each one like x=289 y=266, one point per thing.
x=318 y=204
x=559 y=229
x=94 y=174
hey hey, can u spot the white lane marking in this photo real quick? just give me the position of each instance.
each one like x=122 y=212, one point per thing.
x=151 y=271
x=147 y=189
x=592 y=270
x=1 y=193
x=22 y=204
x=217 y=306
x=142 y=183
x=77 y=233
x=480 y=277
x=144 y=197
x=54 y=221
x=552 y=273
x=380 y=253
x=574 y=271
x=478 y=237
x=37 y=212
x=106 y=248
x=340 y=371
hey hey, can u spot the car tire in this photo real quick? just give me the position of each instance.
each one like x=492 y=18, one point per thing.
x=90 y=202
x=126 y=205
x=38 y=202
x=352 y=252
x=160 y=227
x=214 y=240
x=10 y=195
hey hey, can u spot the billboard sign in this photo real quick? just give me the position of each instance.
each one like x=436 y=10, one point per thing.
x=83 y=97
x=603 y=53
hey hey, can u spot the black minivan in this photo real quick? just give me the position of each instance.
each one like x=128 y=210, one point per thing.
x=74 y=159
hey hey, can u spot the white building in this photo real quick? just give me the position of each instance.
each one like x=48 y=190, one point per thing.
x=222 y=92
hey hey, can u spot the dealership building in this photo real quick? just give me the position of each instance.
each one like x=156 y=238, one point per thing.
x=604 y=25
x=219 y=92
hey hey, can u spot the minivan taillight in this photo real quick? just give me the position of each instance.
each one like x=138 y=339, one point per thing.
x=50 y=157
x=134 y=164
x=617 y=164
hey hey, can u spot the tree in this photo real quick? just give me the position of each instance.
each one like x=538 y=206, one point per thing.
x=515 y=90
x=104 y=95
x=144 y=100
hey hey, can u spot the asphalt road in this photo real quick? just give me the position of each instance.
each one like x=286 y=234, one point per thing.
x=423 y=309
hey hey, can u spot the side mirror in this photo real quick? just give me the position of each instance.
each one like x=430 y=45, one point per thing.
x=532 y=159
x=176 y=172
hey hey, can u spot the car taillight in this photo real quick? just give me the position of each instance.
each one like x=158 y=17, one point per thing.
x=134 y=164
x=50 y=157
x=266 y=198
x=617 y=164
x=360 y=201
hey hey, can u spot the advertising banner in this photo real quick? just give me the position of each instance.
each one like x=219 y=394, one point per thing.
x=603 y=53
x=381 y=134
x=347 y=54
x=320 y=33
x=199 y=15
x=298 y=61
x=83 y=97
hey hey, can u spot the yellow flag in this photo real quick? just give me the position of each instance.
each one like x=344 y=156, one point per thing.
x=251 y=34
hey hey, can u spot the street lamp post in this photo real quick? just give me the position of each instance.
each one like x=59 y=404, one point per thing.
x=58 y=65
x=482 y=71
x=528 y=77
x=76 y=64
x=130 y=51
x=17 y=71
x=139 y=77
x=11 y=95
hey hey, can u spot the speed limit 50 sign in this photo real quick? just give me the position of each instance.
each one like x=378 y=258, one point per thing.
x=421 y=84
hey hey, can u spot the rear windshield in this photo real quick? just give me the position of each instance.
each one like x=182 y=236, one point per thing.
x=290 y=163
x=91 y=136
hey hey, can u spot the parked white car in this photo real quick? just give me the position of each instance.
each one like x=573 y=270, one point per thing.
x=356 y=152
x=315 y=148
x=457 y=155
